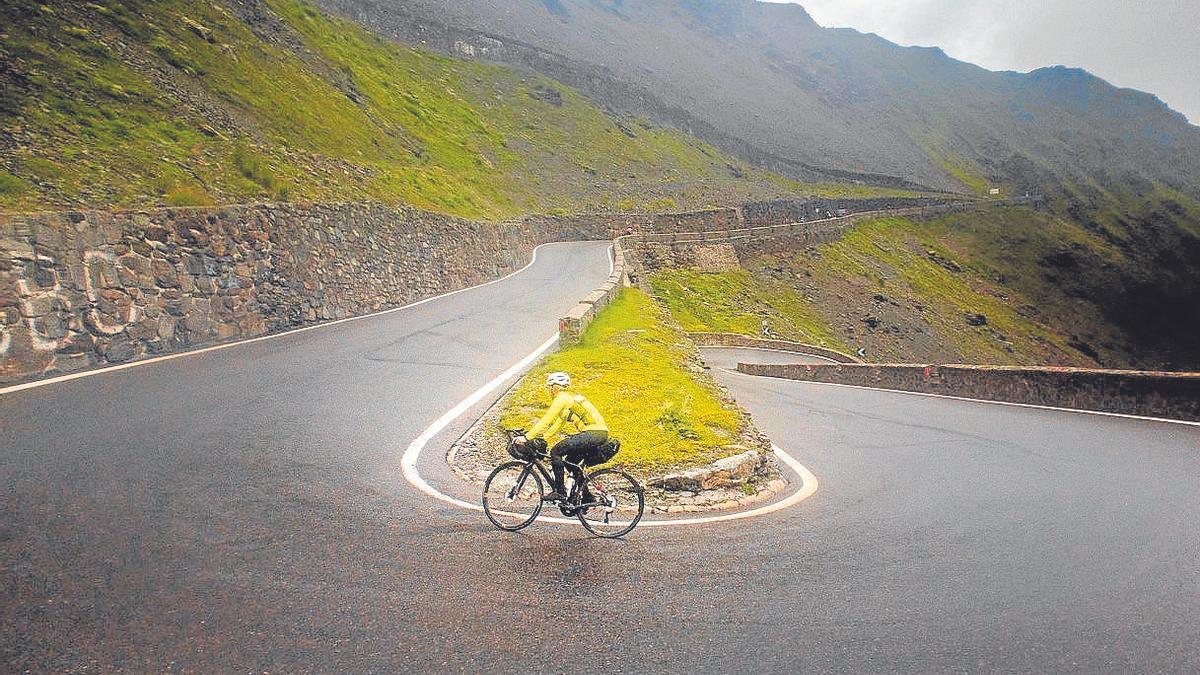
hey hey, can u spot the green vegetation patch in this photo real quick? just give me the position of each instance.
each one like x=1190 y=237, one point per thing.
x=998 y=286
x=903 y=259
x=738 y=302
x=11 y=187
x=639 y=369
x=1026 y=272
x=964 y=170
x=118 y=103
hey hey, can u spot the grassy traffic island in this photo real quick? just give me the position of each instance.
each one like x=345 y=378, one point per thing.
x=681 y=434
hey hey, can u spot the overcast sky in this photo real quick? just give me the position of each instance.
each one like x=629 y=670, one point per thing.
x=1151 y=45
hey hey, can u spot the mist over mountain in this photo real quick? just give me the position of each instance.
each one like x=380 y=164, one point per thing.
x=767 y=82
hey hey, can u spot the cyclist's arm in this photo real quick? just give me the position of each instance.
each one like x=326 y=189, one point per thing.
x=552 y=421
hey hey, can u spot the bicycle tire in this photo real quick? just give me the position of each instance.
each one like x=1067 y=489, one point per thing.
x=626 y=493
x=518 y=521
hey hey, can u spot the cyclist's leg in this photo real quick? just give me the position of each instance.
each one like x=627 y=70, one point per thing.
x=557 y=454
x=582 y=446
x=574 y=447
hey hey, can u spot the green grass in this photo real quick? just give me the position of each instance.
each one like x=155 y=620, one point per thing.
x=738 y=302
x=11 y=186
x=635 y=366
x=186 y=195
x=964 y=170
x=855 y=191
x=893 y=255
x=139 y=102
x=1032 y=274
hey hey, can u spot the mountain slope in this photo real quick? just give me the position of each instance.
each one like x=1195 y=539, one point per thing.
x=765 y=82
x=831 y=99
x=134 y=103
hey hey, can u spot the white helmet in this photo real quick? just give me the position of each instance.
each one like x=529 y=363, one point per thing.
x=561 y=379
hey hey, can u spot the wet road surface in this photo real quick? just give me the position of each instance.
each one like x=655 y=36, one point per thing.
x=244 y=510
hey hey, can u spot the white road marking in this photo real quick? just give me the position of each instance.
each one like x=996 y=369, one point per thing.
x=975 y=400
x=273 y=336
x=408 y=461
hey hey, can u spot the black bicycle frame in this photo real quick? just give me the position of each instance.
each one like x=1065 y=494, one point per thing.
x=580 y=477
x=577 y=469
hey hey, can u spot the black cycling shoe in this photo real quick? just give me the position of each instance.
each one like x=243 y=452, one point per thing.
x=555 y=496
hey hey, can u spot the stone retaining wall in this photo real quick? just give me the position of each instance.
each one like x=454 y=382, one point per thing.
x=1151 y=394
x=736 y=340
x=819 y=221
x=87 y=289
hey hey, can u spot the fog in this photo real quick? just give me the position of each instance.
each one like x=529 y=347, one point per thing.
x=1153 y=46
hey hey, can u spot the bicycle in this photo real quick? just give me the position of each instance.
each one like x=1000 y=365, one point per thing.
x=512 y=493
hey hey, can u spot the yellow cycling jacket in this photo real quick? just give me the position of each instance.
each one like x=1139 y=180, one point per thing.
x=568 y=408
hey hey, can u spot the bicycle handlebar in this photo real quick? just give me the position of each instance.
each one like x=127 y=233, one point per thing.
x=512 y=435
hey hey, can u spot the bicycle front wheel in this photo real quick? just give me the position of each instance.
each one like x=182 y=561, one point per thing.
x=615 y=506
x=512 y=496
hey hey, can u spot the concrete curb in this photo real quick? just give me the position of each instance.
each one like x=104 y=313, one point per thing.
x=776 y=488
x=748 y=341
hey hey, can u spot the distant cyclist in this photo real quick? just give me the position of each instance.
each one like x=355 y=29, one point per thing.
x=567 y=408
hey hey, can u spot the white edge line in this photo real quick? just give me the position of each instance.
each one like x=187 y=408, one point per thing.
x=808 y=488
x=1033 y=406
x=195 y=352
x=408 y=461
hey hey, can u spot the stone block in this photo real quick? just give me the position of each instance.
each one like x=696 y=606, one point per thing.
x=69 y=363
x=17 y=249
x=691 y=480
x=51 y=326
x=739 y=466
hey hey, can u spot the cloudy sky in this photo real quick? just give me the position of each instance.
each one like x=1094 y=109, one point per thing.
x=1152 y=45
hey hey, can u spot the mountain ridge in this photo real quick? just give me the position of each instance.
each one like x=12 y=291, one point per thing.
x=849 y=101
x=137 y=103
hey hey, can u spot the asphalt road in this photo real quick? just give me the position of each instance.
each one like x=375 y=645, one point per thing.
x=243 y=510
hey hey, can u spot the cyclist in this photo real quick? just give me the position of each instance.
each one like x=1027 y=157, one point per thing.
x=567 y=408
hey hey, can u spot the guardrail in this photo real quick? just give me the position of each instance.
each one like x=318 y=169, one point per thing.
x=749 y=341
x=1129 y=392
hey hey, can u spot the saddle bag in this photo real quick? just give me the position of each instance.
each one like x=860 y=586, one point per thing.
x=604 y=453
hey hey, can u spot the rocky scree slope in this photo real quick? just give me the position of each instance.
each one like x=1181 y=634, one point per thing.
x=136 y=103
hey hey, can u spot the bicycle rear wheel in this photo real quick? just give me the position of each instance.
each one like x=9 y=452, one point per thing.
x=617 y=504
x=512 y=496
